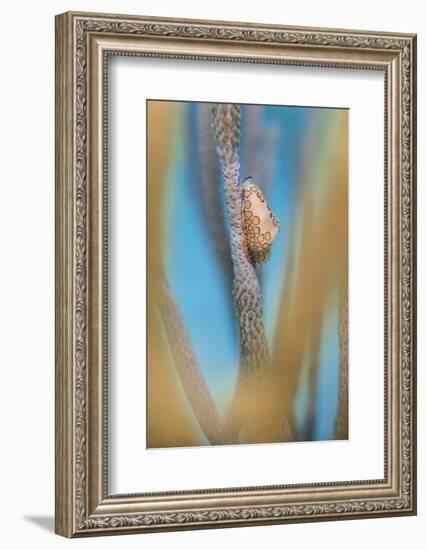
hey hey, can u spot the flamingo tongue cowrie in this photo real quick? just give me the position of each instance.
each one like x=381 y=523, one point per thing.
x=260 y=225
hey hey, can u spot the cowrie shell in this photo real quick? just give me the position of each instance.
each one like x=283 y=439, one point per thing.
x=260 y=225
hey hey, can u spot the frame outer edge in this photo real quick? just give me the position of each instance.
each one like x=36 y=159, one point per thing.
x=231 y=23
x=413 y=159
x=73 y=442
x=64 y=237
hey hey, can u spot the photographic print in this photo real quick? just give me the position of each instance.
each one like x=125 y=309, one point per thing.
x=247 y=261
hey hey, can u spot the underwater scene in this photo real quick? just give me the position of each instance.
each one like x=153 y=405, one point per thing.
x=247 y=274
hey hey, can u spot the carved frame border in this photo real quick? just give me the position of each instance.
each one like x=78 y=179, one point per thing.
x=83 y=43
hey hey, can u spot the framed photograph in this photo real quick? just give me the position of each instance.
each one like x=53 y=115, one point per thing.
x=235 y=274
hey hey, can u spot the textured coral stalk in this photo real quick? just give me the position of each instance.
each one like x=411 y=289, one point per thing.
x=254 y=354
x=187 y=367
x=210 y=190
x=246 y=291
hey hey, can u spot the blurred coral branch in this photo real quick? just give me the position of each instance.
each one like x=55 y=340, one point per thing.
x=160 y=118
x=317 y=262
x=209 y=185
x=308 y=431
x=187 y=367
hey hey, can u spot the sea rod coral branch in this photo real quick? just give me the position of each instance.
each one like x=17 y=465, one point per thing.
x=254 y=353
x=246 y=291
x=210 y=191
x=187 y=367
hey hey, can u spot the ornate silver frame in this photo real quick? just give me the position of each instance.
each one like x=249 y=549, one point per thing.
x=83 y=42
